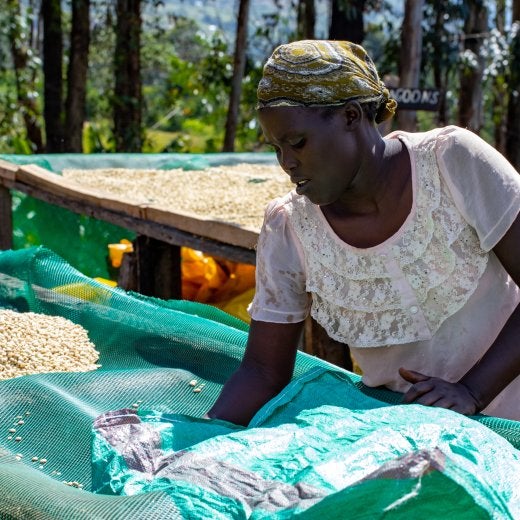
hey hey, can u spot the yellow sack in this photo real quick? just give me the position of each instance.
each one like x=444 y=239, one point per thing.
x=238 y=305
x=201 y=275
x=228 y=285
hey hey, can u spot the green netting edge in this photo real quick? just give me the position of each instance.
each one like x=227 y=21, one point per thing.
x=29 y=489
x=161 y=161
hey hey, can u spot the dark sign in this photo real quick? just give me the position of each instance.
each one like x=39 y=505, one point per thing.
x=416 y=98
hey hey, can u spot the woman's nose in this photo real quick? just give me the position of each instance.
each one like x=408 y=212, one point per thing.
x=287 y=161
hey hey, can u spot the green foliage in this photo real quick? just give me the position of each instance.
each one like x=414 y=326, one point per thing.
x=158 y=140
x=185 y=86
x=182 y=80
x=11 y=139
x=17 y=29
x=100 y=83
x=186 y=70
x=97 y=136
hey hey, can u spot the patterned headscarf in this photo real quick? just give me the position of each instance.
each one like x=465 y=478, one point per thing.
x=322 y=73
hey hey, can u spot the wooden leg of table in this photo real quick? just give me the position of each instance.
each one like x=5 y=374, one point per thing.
x=153 y=269
x=158 y=268
x=127 y=276
x=6 y=218
x=317 y=343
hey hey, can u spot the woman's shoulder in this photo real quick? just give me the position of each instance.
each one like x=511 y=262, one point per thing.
x=452 y=137
x=282 y=206
x=278 y=211
x=464 y=151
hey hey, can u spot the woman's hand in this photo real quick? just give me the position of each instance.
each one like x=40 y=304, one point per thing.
x=433 y=391
x=266 y=368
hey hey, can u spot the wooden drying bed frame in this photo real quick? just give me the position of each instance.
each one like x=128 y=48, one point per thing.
x=160 y=233
x=154 y=268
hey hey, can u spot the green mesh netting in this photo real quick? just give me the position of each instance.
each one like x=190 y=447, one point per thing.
x=149 y=351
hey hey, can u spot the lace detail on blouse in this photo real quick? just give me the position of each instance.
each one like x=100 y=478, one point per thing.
x=402 y=292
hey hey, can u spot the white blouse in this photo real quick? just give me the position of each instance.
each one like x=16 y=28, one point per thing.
x=433 y=297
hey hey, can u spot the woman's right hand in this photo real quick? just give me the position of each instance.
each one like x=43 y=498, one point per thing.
x=266 y=368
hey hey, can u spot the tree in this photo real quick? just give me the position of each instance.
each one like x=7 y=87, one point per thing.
x=443 y=22
x=53 y=75
x=470 y=98
x=185 y=73
x=500 y=14
x=305 y=20
x=64 y=121
x=25 y=70
x=500 y=86
x=410 y=57
x=513 y=109
x=127 y=102
x=75 y=105
x=238 y=74
x=346 y=21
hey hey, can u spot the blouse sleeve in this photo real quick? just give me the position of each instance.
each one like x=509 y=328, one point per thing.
x=280 y=295
x=484 y=185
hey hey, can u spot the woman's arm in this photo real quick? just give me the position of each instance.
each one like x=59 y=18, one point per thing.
x=266 y=368
x=495 y=370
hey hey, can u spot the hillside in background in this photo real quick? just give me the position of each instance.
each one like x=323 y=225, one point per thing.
x=211 y=15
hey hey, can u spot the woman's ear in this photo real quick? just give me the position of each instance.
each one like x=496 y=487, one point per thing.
x=353 y=114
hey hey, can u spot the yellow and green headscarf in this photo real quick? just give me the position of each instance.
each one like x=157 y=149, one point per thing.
x=322 y=73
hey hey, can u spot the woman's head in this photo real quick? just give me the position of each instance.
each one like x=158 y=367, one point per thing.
x=321 y=149
x=317 y=73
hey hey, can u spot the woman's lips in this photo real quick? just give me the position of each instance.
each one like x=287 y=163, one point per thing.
x=301 y=186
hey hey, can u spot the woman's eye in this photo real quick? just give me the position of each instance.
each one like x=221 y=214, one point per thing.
x=298 y=143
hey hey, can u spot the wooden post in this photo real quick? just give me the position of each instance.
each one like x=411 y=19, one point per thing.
x=153 y=269
x=7 y=177
x=6 y=219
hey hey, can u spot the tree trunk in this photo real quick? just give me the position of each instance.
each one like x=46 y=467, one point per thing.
x=77 y=76
x=499 y=88
x=347 y=21
x=470 y=98
x=127 y=69
x=238 y=75
x=53 y=75
x=440 y=71
x=500 y=14
x=306 y=20
x=410 y=58
x=513 y=108
x=24 y=78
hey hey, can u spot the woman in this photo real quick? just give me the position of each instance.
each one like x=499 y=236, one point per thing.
x=404 y=247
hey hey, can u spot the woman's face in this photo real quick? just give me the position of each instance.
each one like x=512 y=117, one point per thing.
x=318 y=152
